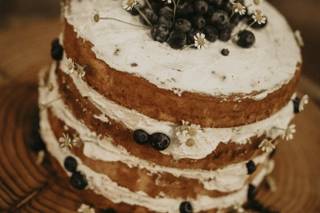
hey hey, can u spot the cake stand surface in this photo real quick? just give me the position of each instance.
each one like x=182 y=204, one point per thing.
x=26 y=186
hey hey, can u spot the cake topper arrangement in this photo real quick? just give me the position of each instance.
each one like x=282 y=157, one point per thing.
x=183 y=23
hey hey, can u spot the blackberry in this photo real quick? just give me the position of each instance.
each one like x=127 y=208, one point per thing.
x=165 y=21
x=185 y=207
x=166 y=12
x=201 y=7
x=199 y=22
x=211 y=33
x=150 y=15
x=220 y=19
x=246 y=39
x=70 y=164
x=185 y=9
x=183 y=25
x=140 y=136
x=159 y=141
x=225 y=34
x=78 y=181
x=251 y=167
x=56 y=50
x=177 y=39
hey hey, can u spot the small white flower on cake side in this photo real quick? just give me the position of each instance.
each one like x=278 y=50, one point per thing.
x=85 y=209
x=74 y=68
x=267 y=146
x=259 y=17
x=129 y=4
x=80 y=71
x=289 y=132
x=200 y=40
x=66 y=142
x=70 y=65
x=304 y=101
x=187 y=133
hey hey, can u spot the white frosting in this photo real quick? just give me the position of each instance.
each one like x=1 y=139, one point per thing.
x=206 y=139
x=103 y=185
x=227 y=179
x=264 y=68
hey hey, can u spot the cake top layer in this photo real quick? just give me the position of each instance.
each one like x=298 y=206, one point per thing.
x=253 y=72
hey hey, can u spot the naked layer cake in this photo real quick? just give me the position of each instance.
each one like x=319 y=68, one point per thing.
x=169 y=105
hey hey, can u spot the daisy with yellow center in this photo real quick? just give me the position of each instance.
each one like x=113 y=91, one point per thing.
x=200 y=41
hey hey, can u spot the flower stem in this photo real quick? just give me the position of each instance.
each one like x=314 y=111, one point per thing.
x=175 y=5
x=119 y=20
x=148 y=3
x=143 y=15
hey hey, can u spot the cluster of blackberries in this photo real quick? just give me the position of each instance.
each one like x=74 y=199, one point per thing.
x=77 y=179
x=178 y=25
x=158 y=141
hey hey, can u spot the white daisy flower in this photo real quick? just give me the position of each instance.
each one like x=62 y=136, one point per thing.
x=200 y=41
x=239 y=8
x=80 y=71
x=267 y=145
x=304 y=101
x=66 y=142
x=289 y=132
x=129 y=4
x=71 y=66
x=259 y=17
x=85 y=209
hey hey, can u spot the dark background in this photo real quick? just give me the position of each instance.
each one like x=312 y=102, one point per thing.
x=303 y=15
